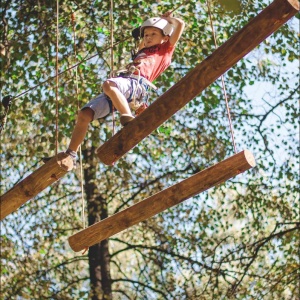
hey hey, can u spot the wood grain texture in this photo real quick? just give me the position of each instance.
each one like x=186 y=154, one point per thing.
x=204 y=74
x=163 y=200
x=29 y=187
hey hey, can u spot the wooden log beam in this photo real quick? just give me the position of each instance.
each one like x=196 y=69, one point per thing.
x=204 y=74
x=29 y=187
x=163 y=200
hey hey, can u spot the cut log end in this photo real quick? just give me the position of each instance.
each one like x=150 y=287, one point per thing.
x=250 y=158
x=295 y=4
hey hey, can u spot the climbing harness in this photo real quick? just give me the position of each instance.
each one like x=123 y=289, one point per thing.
x=136 y=104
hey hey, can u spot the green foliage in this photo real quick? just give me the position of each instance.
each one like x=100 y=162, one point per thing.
x=239 y=240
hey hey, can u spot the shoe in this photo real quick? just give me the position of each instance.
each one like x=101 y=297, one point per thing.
x=125 y=119
x=46 y=159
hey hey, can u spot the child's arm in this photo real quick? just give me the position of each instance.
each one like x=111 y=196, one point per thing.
x=178 y=26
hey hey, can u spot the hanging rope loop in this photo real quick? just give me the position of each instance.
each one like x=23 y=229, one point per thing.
x=73 y=19
x=222 y=79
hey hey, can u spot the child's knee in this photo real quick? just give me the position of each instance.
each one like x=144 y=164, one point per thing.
x=107 y=86
x=85 y=115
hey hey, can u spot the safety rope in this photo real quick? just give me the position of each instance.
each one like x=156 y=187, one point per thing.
x=112 y=56
x=111 y=37
x=68 y=69
x=56 y=81
x=222 y=79
x=78 y=107
x=178 y=6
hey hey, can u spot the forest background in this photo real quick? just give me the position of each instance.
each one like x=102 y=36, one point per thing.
x=238 y=240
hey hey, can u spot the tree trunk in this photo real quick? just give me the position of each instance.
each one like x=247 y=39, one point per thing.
x=99 y=257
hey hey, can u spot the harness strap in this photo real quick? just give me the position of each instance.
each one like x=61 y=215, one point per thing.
x=143 y=79
x=137 y=105
x=128 y=74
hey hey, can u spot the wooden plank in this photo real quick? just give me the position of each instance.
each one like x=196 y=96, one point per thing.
x=29 y=187
x=204 y=74
x=163 y=200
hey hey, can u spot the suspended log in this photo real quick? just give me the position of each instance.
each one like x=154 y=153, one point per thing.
x=29 y=187
x=163 y=200
x=204 y=74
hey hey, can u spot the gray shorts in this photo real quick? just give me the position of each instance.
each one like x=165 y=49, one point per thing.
x=102 y=105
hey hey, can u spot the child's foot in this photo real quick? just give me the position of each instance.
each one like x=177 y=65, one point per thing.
x=74 y=158
x=125 y=119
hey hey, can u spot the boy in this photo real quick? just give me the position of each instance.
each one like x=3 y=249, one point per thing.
x=160 y=36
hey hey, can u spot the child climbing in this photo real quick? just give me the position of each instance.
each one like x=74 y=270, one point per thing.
x=128 y=89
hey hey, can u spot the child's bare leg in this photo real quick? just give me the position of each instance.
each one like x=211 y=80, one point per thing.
x=118 y=99
x=84 y=118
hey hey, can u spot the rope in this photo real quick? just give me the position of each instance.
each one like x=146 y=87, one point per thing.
x=78 y=107
x=111 y=37
x=56 y=81
x=183 y=3
x=222 y=79
x=68 y=69
x=112 y=53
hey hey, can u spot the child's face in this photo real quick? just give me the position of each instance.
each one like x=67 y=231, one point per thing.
x=153 y=36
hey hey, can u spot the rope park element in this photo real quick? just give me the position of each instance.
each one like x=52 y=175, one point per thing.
x=258 y=29
x=163 y=200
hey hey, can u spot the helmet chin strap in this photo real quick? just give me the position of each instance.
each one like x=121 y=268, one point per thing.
x=166 y=38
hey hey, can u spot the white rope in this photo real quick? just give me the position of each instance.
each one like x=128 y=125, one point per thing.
x=112 y=54
x=56 y=81
x=80 y=149
x=223 y=81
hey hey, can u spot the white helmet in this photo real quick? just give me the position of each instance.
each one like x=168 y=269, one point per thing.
x=159 y=23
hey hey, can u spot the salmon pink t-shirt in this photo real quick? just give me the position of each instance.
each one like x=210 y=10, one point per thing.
x=154 y=60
